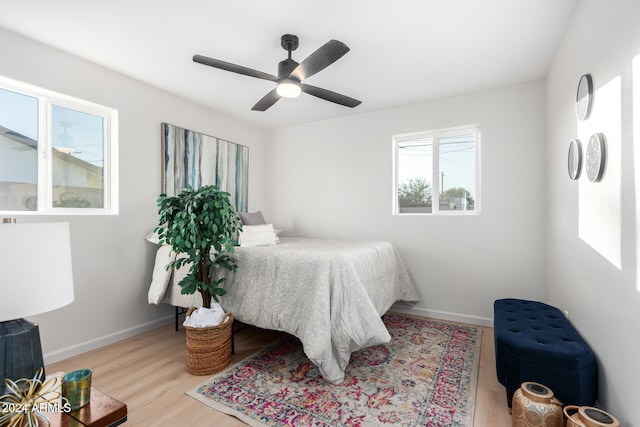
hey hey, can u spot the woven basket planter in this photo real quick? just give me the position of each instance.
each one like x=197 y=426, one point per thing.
x=209 y=349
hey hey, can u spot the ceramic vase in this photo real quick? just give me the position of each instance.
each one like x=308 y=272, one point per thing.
x=586 y=416
x=534 y=406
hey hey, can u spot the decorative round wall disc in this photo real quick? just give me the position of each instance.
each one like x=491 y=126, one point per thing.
x=574 y=162
x=584 y=97
x=595 y=157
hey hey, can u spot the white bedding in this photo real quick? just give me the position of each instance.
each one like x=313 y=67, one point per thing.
x=328 y=293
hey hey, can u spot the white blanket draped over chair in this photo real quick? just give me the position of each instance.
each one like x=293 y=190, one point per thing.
x=328 y=293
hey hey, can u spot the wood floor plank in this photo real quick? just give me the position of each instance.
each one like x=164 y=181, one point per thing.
x=147 y=372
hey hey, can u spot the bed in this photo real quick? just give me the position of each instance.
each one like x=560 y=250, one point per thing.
x=330 y=294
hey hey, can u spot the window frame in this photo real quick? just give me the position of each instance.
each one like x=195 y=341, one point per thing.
x=46 y=100
x=436 y=135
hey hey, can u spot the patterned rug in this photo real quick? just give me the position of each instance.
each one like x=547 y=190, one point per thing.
x=426 y=376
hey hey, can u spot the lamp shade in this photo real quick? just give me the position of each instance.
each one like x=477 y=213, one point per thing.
x=35 y=273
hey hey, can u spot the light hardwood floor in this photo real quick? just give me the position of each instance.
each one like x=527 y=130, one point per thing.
x=147 y=372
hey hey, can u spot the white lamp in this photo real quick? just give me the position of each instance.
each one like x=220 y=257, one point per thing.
x=35 y=277
x=288 y=88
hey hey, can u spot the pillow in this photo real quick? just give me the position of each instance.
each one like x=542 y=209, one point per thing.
x=252 y=218
x=153 y=238
x=161 y=276
x=257 y=235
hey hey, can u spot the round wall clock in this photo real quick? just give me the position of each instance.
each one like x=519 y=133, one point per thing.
x=574 y=162
x=595 y=157
x=584 y=97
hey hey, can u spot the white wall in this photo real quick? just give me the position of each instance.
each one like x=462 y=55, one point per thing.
x=593 y=227
x=334 y=179
x=112 y=262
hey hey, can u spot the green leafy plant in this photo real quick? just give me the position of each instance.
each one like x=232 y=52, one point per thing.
x=200 y=225
x=414 y=192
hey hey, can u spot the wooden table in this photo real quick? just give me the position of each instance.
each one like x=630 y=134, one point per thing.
x=102 y=411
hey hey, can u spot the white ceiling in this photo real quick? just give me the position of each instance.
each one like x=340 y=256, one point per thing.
x=402 y=51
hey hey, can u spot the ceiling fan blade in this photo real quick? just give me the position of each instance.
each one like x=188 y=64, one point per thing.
x=326 y=55
x=227 y=66
x=267 y=101
x=330 y=96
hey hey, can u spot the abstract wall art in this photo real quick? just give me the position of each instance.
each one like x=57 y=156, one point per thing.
x=193 y=159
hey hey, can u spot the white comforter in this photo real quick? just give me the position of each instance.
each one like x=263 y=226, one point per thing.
x=328 y=293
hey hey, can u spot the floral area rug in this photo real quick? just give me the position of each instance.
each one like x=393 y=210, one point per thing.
x=425 y=376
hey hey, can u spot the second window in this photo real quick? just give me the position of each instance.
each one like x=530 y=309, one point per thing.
x=437 y=172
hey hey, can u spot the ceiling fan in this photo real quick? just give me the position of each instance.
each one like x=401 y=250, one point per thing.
x=291 y=73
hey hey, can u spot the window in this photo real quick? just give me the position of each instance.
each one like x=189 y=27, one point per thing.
x=57 y=153
x=437 y=172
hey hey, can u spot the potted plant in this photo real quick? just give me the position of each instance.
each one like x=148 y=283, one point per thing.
x=201 y=225
x=193 y=223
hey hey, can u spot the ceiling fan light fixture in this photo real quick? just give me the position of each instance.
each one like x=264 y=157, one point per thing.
x=291 y=73
x=288 y=88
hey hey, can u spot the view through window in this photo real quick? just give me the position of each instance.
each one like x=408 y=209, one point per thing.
x=56 y=153
x=437 y=172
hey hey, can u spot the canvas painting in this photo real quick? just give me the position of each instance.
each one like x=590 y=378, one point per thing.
x=193 y=159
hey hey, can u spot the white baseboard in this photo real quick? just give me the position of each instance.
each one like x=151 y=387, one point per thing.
x=83 y=347
x=443 y=315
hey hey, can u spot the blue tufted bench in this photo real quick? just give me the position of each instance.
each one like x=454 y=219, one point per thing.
x=536 y=342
